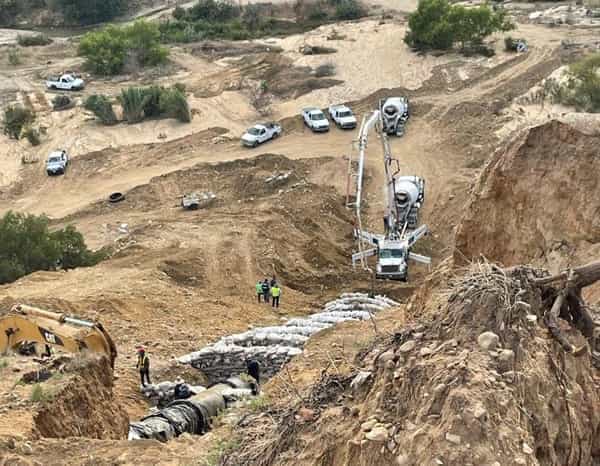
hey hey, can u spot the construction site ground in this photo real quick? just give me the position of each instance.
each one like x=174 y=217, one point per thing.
x=179 y=280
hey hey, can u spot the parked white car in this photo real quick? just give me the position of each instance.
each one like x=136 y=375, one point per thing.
x=260 y=133
x=57 y=163
x=66 y=82
x=315 y=119
x=342 y=116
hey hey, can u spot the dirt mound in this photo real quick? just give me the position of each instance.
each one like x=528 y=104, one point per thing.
x=536 y=201
x=479 y=382
x=85 y=405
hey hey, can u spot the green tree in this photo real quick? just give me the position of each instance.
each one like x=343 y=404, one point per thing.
x=27 y=245
x=107 y=50
x=213 y=11
x=471 y=25
x=104 y=50
x=143 y=40
x=83 y=12
x=429 y=26
x=439 y=25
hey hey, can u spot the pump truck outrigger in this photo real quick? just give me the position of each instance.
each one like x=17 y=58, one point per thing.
x=29 y=324
x=404 y=196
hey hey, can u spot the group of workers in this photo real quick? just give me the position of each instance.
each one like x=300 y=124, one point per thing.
x=268 y=289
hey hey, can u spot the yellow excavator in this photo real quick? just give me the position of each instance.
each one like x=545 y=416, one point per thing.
x=29 y=324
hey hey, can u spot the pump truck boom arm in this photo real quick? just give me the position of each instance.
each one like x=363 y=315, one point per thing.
x=28 y=323
x=404 y=196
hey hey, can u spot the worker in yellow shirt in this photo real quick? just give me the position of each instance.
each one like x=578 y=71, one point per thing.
x=275 y=294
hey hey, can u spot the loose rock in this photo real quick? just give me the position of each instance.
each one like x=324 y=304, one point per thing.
x=488 y=341
x=407 y=346
x=377 y=434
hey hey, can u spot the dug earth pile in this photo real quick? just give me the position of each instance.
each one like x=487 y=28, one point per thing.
x=478 y=381
x=85 y=406
x=537 y=200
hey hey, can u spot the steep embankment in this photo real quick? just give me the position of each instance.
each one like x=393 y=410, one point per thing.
x=537 y=201
x=85 y=406
x=478 y=382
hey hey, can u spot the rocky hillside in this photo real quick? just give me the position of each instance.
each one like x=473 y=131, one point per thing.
x=480 y=382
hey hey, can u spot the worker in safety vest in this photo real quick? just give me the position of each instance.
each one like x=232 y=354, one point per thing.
x=275 y=293
x=259 y=290
x=143 y=364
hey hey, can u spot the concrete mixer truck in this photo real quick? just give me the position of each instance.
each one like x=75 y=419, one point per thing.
x=394 y=115
x=404 y=198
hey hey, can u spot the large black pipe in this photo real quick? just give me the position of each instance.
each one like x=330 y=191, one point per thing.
x=194 y=414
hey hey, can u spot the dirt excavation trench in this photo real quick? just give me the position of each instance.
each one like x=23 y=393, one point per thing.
x=224 y=363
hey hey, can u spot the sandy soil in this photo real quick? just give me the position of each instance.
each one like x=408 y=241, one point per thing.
x=183 y=279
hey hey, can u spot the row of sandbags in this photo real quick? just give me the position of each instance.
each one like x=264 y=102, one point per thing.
x=275 y=345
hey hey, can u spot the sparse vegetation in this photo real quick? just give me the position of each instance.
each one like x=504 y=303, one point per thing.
x=327 y=69
x=33 y=136
x=27 y=245
x=16 y=117
x=101 y=106
x=14 y=58
x=133 y=100
x=581 y=88
x=3 y=363
x=83 y=12
x=173 y=103
x=258 y=403
x=220 y=448
x=38 y=394
x=62 y=102
x=106 y=51
x=222 y=19
x=439 y=25
x=31 y=40
x=140 y=103
x=349 y=9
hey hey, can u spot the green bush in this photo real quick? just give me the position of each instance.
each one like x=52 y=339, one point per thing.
x=133 y=100
x=327 y=69
x=252 y=17
x=152 y=106
x=316 y=12
x=349 y=9
x=9 y=9
x=83 y=12
x=106 y=50
x=143 y=40
x=179 y=13
x=61 y=102
x=101 y=106
x=174 y=104
x=27 y=245
x=582 y=86
x=13 y=56
x=33 y=136
x=16 y=118
x=33 y=40
x=439 y=25
x=213 y=11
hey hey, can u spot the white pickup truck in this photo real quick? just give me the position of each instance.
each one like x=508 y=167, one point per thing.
x=260 y=133
x=315 y=119
x=342 y=116
x=66 y=82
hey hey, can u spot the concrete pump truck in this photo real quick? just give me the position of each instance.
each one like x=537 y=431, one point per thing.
x=404 y=196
